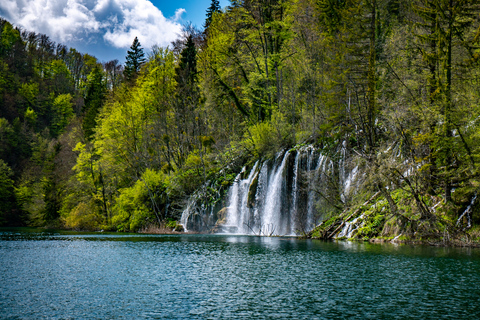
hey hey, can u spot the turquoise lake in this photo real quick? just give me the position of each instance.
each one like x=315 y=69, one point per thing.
x=66 y=275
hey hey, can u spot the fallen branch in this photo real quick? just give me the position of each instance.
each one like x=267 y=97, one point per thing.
x=251 y=229
x=353 y=214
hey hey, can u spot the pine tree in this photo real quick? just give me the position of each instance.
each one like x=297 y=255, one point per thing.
x=187 y=68
x=134 y=60
x=214 y=7
x=187 y=98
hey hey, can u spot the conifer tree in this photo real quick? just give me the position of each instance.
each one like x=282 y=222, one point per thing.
x=187 y=68
x=214 y=7
x=134 y=60
x=187 y=97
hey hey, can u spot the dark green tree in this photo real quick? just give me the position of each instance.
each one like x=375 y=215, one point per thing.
x=134 y=60
x=8 y=210
x=52 y=199
x=96 y=93
x=214 y=7
x=331 y=13
x=187 y=98
x=187 y=68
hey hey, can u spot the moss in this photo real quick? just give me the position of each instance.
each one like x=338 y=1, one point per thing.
x=171 y=224
x=252 y=191
x=385 y=238
x=315 y=234
x=329 y=222
x=373 y=220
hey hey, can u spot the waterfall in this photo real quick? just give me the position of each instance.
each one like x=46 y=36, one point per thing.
x=260 y=195
x=238 y=213
x=277 y=197
x=186 y=215
x=349 y=228
x=311 y=193
x=272 y=217
x=347 y=186
x=284 y=196
x=467 y=213
x=293 y=209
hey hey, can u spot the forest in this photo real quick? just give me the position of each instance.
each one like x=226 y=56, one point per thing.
x=394 y=84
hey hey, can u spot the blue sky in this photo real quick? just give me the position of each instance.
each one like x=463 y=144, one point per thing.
x=106 y=28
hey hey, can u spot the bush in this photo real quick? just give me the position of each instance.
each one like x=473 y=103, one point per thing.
x=171 y=224
x=132 y=210
x=265 y=139
x=83 y=217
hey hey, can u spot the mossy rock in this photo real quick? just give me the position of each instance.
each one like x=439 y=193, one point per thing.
x=179 y=228
x=222 y=216
x=252 y=191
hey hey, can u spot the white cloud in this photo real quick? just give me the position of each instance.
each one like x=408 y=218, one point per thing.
x=117 y=22
x=143 y=19
x=179 y=13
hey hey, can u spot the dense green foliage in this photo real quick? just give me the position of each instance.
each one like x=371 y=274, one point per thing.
x=394 y=82
x=46 y=92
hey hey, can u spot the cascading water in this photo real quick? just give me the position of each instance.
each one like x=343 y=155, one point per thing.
x=310 y=223
x=260 y=192
x=277 y=197
x=186 y=215
x=237 y=202
x=293 y=209
x=273 y=202
x=199 y=215
x=285 y=196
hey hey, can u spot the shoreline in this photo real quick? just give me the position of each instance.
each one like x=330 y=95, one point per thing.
x=166 y=231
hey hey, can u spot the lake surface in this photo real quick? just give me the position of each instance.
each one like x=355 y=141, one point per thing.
x=61 y=275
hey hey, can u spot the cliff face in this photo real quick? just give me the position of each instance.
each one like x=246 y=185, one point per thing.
x=305 y=192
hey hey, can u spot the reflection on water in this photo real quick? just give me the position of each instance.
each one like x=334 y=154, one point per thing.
x=59 y=275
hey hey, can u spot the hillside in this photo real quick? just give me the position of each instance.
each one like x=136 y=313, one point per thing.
x=386 y=89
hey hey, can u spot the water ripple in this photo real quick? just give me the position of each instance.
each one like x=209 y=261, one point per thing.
x=104 y=276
